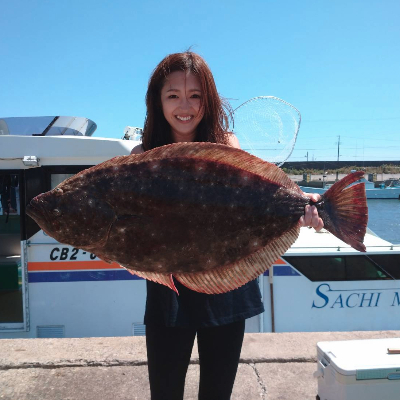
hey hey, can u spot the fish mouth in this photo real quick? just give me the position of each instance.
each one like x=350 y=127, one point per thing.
x=35 y=210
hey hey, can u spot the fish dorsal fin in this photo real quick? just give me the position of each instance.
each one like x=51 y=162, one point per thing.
x=207 y=151
x=220 y=153
x=112 y=162
x=231 y=277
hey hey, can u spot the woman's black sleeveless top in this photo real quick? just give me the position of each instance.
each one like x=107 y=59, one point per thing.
x=193 y=309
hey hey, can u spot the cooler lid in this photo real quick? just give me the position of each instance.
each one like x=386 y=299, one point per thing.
x=367 y=359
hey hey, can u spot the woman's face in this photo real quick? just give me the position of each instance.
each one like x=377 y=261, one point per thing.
x=180 y=99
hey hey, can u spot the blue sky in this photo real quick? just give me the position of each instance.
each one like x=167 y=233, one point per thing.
x=338 y=62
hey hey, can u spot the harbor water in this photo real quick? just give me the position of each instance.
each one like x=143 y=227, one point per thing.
x=384 y=218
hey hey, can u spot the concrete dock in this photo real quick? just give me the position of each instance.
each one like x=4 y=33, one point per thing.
x=273 y=366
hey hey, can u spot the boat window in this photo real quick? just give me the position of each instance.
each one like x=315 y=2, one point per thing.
x=10 y=214
x=35 y=183
x=10 y=219
x=9 y=194
x=340 y=268
x=11 y=310
x=388 y=262
x=60 y=173
x=56 y=179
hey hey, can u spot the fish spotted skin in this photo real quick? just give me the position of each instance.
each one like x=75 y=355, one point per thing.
x=192 y=216
x=201 y=212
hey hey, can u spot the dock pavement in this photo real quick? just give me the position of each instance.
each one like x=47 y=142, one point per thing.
x=273 y=366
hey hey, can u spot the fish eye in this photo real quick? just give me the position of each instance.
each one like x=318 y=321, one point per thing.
x=57 y=212
x=58 y=191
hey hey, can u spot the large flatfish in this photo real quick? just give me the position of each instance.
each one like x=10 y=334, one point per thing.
x=212 y=216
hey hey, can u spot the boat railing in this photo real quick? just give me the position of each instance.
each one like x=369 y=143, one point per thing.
x=391 y=247
x=29 y=243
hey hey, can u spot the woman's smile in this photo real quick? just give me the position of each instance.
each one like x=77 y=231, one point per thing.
x=184 y=119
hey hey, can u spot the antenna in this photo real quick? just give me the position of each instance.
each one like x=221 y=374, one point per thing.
x=338 y=155
x=338 y=147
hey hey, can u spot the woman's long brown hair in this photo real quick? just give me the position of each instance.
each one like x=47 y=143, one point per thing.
x=214 y=125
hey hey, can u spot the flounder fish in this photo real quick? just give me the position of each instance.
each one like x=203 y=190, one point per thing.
x=211 y=216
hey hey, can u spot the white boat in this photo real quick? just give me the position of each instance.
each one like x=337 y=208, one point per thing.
x=383 y=192
x=48 y=289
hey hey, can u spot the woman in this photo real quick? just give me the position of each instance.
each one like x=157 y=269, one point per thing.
x=183 y=105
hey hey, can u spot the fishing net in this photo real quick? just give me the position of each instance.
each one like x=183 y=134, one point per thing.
x=267 y=127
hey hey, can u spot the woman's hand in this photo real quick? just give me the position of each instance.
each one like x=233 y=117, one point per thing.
x=311 y=217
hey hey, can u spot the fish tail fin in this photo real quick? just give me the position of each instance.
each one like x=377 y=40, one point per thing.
x=344 y=210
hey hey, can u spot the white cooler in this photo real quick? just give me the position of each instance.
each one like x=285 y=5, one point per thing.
x=359 y=370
